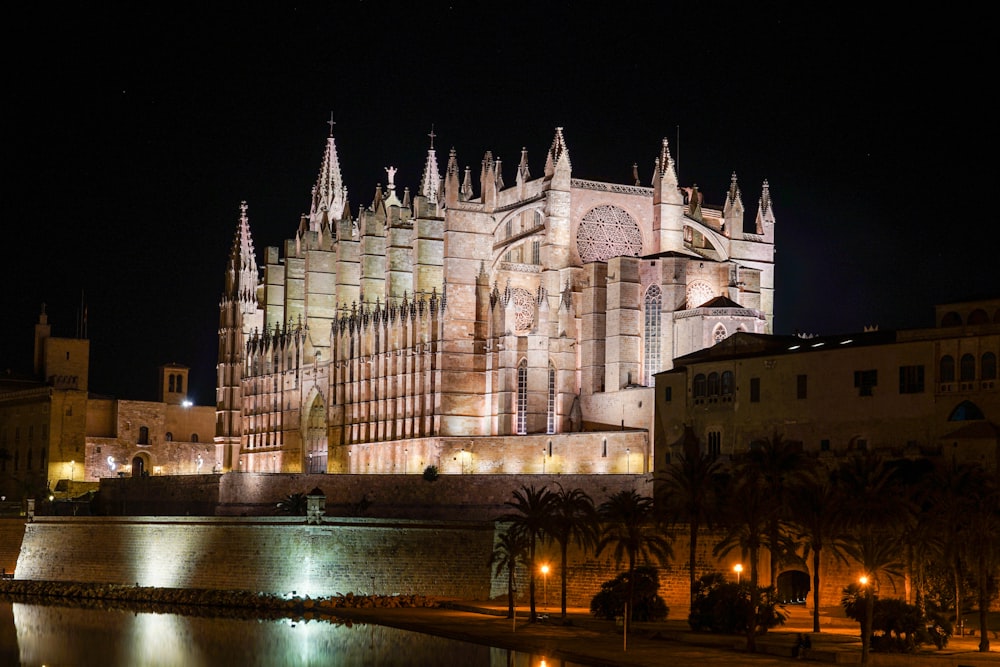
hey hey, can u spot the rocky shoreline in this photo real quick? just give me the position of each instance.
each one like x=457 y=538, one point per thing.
x=201 y=602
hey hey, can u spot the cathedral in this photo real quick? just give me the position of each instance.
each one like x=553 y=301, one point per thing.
x=491 y=326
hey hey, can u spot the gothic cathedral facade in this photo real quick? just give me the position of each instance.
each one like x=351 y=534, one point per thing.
x=515 y=329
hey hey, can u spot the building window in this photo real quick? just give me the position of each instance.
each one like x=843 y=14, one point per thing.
x=668 y=394
x=719 y=334
x=824 y=445
x=713 y=384
x=143 y=435
x=180 y=384
x=170 y=383
x=169 y=437
x=536 y=252
x=865 y=381
x=988 y=367
x=947 y=368
x=194 y=437
x=967 y=368
x=652 y=303
x=728 y=385
x=551 y=421
x=801 y=386
x=604 y=449
x=755 y=390
x=911 y=379
x=714 y=443
x=522 y=398
x=698 y=388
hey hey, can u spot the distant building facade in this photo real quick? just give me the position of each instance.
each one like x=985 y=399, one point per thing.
x=921 y=392
x=480 y=332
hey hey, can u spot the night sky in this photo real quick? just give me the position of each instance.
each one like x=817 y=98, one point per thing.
x=131 y=136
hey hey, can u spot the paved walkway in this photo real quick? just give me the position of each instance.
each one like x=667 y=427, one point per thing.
x=597 y=643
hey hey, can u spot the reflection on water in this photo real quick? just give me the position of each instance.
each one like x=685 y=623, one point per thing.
x=33 y=635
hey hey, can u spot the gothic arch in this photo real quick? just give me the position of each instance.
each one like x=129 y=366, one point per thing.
x=718 y=242
x=316 y=431
x=966 y=411
x=652 y=306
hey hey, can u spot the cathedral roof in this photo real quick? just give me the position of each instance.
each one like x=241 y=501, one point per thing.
x=743 y=344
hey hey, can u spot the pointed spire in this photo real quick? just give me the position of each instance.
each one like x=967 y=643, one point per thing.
x=557 y=153
x=467 y=185
x=329 y=185
x=733 y=197
x=765 y=212
x=431 y=181
x=242 y=276
x=732 y=212
x=522 y=168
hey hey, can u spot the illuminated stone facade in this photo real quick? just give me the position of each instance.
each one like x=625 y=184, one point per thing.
x=913 y=392
x=479 y=332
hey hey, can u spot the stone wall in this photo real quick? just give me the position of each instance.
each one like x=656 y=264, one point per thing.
x=11 y=532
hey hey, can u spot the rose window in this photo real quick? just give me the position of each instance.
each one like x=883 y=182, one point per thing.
x=698 y=294
x=606 y=232
x=524 y=309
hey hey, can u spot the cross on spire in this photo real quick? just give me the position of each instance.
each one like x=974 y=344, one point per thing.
x=331 y=123
x=432 y=135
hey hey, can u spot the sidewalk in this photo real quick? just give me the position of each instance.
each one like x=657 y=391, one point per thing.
x=592 y=642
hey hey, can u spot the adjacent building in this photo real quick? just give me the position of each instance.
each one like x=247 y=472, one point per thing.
x=921 y=392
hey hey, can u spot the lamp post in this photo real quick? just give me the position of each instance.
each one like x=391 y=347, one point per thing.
x=738 y=569
x=628 y=461
x=545 y=585
x=543 y=460
x=866 y=628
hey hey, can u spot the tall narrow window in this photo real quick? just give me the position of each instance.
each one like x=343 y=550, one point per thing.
x=652 y=304
x=947 y=368
x=170 y=383
x=522 y=398
x=551 y=421
x=967 y=368
x=755 y=390
x=536 y=252
x=801 y=386
x=143 y=435
x=180 y=384
x=989 y=367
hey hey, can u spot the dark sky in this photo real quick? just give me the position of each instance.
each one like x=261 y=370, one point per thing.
x=131 y=136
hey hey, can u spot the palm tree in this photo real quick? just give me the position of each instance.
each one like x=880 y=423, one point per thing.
x=532 y=516
x=746 y=522
x=294 y=504
x=980 y=541
x=630 y=525
x=573 y=519
x=877 y=510
x=816 y=517
x=690 y=493
x=510 y=550
x=778 y=461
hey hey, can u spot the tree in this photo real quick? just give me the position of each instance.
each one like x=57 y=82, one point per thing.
x=510 y=550
x=573 y=520
x=877 y=509
x=980 y=539
x=294 y=504
x=818 y=522
x=531 y=516
x=631 y=527
x=778 y=462
x=689 y=493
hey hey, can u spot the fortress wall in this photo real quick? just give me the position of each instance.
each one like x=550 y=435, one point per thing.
x=11 y=532
x=276 y=555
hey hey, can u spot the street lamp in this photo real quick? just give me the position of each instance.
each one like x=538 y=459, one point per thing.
x=543 y=460
x=545 y=585
x=628 y=461
x=738 y=569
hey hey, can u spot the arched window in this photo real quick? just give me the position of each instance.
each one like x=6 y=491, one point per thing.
x=728 y=385
x=965 y=411
x=947 y=368
x=169 y=436
x=170 y=383
x=951 y=319
x=967 y=368
x=698 y=388
x=522 y=397
x=194 y=437
x=713 y=384
x=652 y=303
x=550 y=423
x=988 y=367
x=180 y=384
x=979 y=316
x=143 y=435
x=719 y=334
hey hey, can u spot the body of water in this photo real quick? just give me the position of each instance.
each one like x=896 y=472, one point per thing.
x=34 y=635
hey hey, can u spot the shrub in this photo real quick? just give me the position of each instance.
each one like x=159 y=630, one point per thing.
x=724 y=607
x=647 y=605
x=294 y=504
x=897 y=627
x=430 y=473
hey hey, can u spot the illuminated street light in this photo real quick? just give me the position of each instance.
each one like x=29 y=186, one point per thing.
x=738 y=569
x=545 y=585
x=628 y=461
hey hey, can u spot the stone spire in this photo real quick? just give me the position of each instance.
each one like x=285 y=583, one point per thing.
x=431 y=181
x=732 y=211
x=765 y=213
x=451 y=186
x=327 y=194
x=241 y=274
x=558 y=155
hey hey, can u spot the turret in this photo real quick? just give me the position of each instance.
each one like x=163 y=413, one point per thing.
x=732 y=211
x=668 y=203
